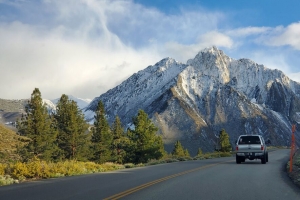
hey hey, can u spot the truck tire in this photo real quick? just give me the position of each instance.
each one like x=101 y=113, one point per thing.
x=237 y=159
x=267 y=157
x=263 y=159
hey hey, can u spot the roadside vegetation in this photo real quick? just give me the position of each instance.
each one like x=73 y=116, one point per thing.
x=295 y=174
x=50 y=145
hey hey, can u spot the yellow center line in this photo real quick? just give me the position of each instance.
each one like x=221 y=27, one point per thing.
x=135 y=189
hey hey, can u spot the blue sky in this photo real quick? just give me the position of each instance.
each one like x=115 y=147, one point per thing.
x=85 y=47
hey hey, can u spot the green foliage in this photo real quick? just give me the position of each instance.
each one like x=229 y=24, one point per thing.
x=144 y=143
x=72 y=138
x=101 y=136
x=119 y=142
x=36 y=125
x=224 y=141
x=178 y=149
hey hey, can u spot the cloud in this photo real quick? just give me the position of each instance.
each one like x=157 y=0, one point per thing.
x=282 y=36
x=295 y=76
x=248 y=31
x=58 y=66
x=86 y=47
x=184 y=52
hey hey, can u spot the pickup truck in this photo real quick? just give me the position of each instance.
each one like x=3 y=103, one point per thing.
x=251 y=147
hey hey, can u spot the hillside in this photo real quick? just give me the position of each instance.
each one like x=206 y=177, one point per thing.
x=9 y=141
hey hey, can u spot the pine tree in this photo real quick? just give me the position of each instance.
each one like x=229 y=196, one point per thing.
x=101 y=136
x=72 y=130
x=37 y=125
x=199 y=152
x=130 y=147
x=187 y=153
x=147 y=145
x=178 y=149
x=224 y=141
x=119 y=142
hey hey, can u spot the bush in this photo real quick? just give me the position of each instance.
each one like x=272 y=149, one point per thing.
x=2 y=169
x=19 y=171
x=6 y=180
x=129 y=165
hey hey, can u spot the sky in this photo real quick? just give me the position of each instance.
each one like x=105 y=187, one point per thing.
x=86 y=47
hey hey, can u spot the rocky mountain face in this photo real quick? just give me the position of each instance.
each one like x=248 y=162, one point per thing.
x=193 y=102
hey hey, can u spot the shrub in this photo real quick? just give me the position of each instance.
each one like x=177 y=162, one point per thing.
x=38 y=169
x=2 y=169
x=19 y=171
x=6 y=180
x=129 y=165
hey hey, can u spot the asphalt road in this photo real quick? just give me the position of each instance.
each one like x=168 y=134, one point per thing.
x=210 y=179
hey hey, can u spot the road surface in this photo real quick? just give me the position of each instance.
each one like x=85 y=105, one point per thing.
x=212 y=179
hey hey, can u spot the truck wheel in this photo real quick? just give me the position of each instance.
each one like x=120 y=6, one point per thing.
x=237 y=159
x=267 y=157
x=263 y=159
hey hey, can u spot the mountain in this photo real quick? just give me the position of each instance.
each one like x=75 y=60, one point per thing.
x=82 y=103
x=11 y=110
x=193 y=102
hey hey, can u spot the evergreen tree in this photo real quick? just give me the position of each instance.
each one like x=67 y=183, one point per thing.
x=199 y=152
x=187 y=153
x=72 y=137
x=37 y=125
x=101 y=136
x=147 y=145
x=224 y=141
x=130 y=147
x=178 y=149
x=119 y=142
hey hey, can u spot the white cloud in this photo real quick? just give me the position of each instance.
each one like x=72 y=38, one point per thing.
x=59 y=66
x=86 y=47
x=184 y=52
x=248 y=31
x=282 y=36
x=83 y=48
x=295 y=76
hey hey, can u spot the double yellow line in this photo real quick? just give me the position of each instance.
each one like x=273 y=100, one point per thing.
x=135 y=189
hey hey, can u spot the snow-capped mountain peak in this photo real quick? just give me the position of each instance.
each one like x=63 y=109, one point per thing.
x=192 y=102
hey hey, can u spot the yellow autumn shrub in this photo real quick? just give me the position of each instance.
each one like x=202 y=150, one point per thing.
x=2 y=169
x=19 y=170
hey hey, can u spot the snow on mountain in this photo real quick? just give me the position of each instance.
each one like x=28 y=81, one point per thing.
x=50 y=105
x=82 y=103
x=141 y=88
x=192 y=102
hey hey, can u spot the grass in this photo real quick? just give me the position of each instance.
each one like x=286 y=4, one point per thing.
x=37 y=169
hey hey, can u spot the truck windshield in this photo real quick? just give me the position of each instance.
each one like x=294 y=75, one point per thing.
x=249 y=140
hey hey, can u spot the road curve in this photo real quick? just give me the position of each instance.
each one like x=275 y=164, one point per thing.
x=210 y=179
